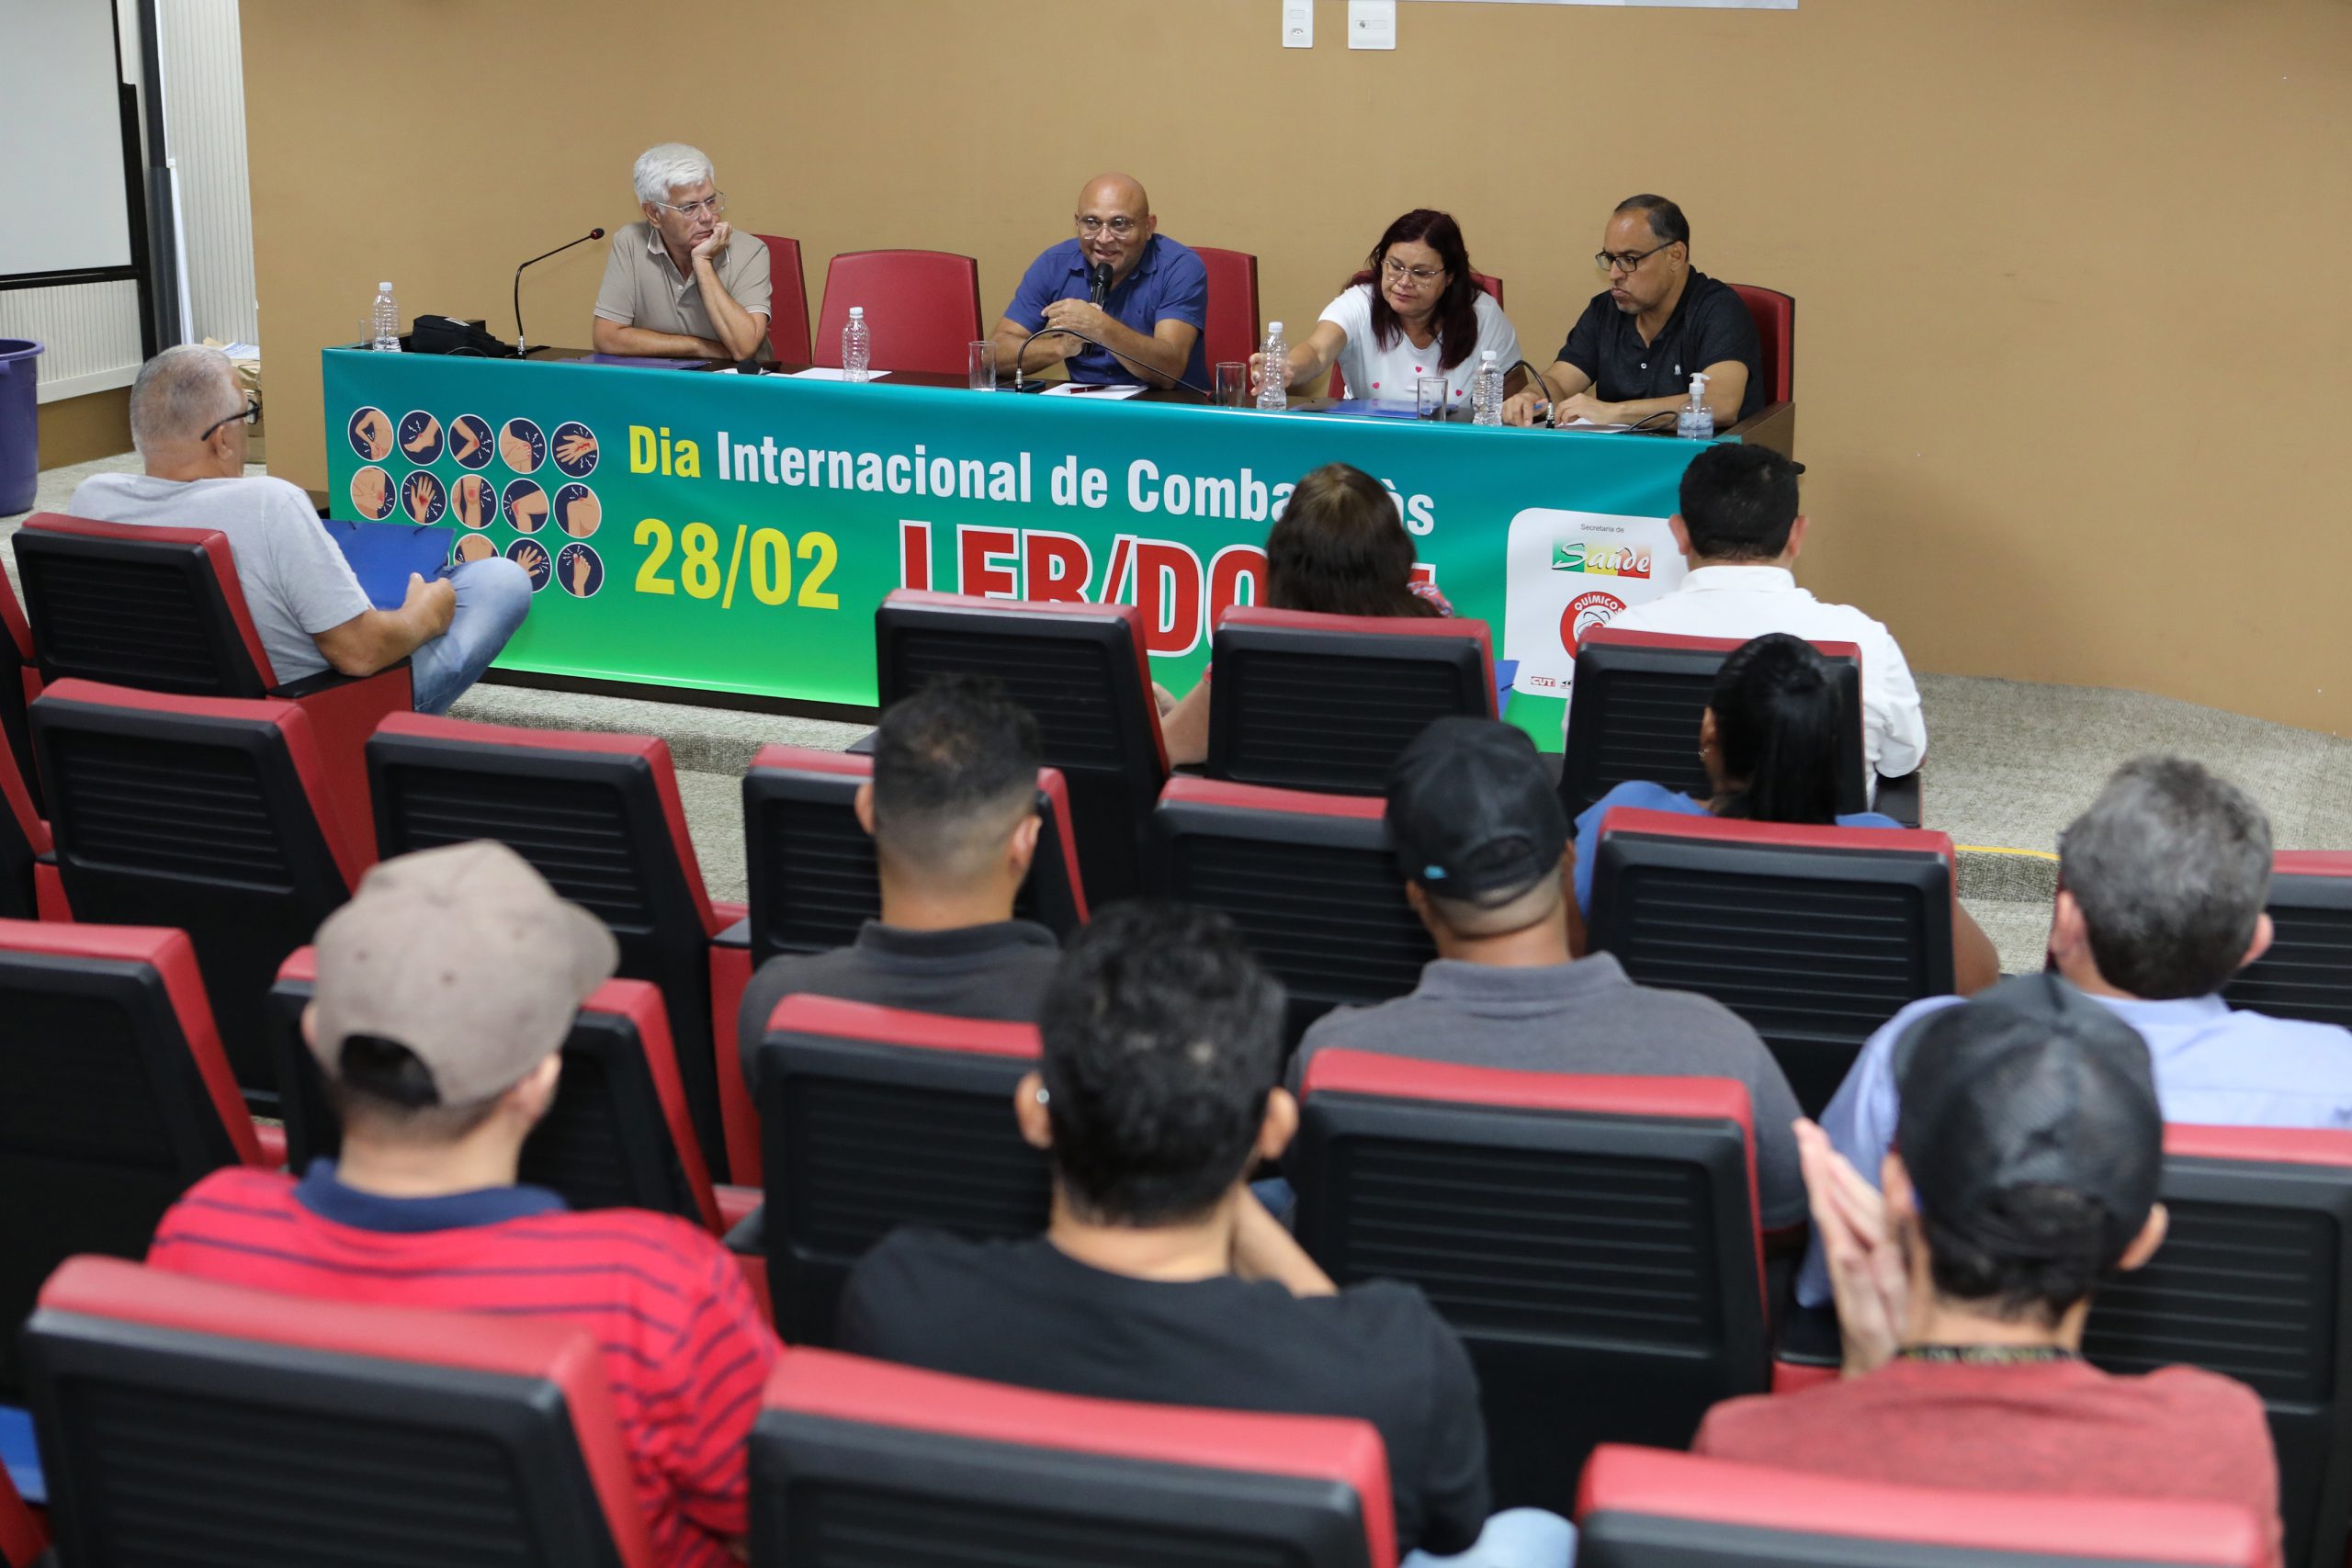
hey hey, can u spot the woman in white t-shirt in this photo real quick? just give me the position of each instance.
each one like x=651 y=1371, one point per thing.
x=1415 y=310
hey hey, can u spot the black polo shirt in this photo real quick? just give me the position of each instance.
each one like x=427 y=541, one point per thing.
x=1710 y=324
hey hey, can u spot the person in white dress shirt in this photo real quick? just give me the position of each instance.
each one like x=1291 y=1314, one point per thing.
x=1740 y=530
x=1415 y=310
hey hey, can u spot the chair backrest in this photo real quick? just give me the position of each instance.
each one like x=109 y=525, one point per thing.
x=114 y=1097
x=871 y=1117
x=1594 y=1240
x=1234 y=329
x=922 y=309
x=787 y=300
x=856 y=1461
x=1644 y=1509
x=19 y=684
x=23 y=1538
x=1309 y=880
x=1814 y=935
x=1634 y=714
x=2307 y=973
x=617 y=1135
x=159 y=609
x=601 y=818
x=1303 y=701
x=2253 y=1280
x=24 y=837
x=813 y=878
x=1776 y=330
x=1082 y=669
x=184 y=1420
x=1494 y=287
x=210 y=813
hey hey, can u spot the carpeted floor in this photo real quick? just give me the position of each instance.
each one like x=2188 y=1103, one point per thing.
x=2009 y=763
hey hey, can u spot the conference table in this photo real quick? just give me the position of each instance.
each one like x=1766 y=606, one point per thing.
x=699 y=530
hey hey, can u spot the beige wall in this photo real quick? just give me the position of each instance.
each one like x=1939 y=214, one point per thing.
x=2072 y=325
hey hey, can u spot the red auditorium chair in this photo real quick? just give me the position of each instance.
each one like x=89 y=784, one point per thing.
x=1303 y=701
x=2307 y=973
x=1643 y=1509
x=617 y=1137
x=114 y=1099
x=922 y=309
x=1339 y=387
x=1814 y=935
x=787 y=301
x=856 y=1462
x=159 y=609
x=812 y=879
x=1775 y=314
x=875 y=1118
x=1308 y=880
x=1634 y=714
x=2253 y=1281
x=23 y=1537
x=19 y=684
x=1594 y=1240
x=208 y=814
x=600 y=816
x=184 y=1420
x=1082 y=669
x=1234 y=332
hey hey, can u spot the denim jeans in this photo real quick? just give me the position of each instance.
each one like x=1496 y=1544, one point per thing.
x=492 y=597
x=1516 y=1538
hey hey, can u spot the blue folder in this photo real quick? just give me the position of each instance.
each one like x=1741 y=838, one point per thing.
x=19 y=1458
x=383 y=553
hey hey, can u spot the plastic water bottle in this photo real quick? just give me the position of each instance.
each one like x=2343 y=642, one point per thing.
x=1486 y=390
x=857 y=346
x=1695 y=421
x=387 y=320
x=1273 y=391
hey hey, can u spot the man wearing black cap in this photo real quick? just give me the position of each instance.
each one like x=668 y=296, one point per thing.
x=2031 y=1147
x=1480 y=836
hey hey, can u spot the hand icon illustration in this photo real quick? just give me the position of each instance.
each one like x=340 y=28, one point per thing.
x=369 y=491
x=420 y=498
x=530 y=557
x=427 y=437
x=575 y=446
x=376 y=434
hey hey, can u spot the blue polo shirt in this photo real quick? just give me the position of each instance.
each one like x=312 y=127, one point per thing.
x=1168 y=285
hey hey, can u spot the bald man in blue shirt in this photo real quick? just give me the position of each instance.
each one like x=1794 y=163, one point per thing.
x=1149 y=326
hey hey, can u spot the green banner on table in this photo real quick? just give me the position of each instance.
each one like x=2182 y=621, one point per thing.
x=735 y=534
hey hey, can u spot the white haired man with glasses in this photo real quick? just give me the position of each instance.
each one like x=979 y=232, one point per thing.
x=680 y=282
x=1144 y=327
x=188 y=418
x=1631 y=355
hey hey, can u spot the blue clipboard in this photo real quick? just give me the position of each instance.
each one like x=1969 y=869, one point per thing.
x=383 y=553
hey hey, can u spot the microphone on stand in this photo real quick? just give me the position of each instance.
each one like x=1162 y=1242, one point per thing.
x=1099 y=284
x=520 y=350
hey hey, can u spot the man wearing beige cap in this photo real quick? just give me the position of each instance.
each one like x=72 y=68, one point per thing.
x=445 y=989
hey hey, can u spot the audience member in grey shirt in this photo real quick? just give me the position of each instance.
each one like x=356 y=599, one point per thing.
x=1481 y=835
x=188 y=417
x=952 y=810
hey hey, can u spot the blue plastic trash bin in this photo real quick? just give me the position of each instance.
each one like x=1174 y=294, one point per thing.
x=19 y=424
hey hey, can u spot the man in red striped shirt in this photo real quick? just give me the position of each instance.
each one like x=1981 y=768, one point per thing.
x=445 y=989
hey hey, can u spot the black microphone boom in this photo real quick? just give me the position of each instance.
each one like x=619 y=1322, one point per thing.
x=1099 y=284
x=520 y=348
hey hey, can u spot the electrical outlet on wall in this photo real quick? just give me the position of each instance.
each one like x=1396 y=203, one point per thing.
x=1298 y=24
x=1372 y=24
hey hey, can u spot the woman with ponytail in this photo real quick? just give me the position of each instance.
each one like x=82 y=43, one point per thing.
x=1770 y=742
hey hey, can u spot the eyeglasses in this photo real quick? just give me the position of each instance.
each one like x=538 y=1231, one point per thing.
x=251 y=415
x=1398 y=272
x=1121 y=226
x=714 y=206
x=1608 y=262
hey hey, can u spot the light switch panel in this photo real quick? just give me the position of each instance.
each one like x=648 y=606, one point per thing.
x=1298 y=24
x=1372 y=24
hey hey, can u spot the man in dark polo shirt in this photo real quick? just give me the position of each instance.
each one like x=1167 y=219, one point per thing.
x=1660 y=321
x=953 y=808
x=1152 y=315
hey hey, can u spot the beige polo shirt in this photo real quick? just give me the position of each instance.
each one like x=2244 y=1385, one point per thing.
x=643 y=287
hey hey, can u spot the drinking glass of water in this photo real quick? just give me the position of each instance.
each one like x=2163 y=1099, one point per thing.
x=980 y=365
